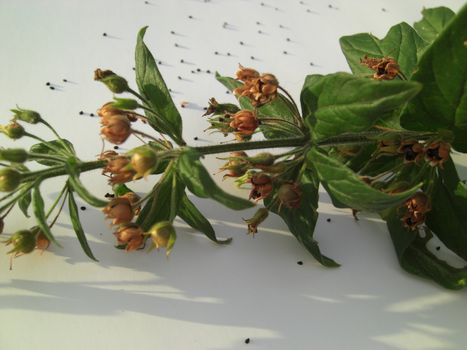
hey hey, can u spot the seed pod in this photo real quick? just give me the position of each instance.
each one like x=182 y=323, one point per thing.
x=114 y=82
x=263 y=159
x=13 y=130
x=143 y=160
x=290 y=195
x=244 y=122
x=130 y=235
x=262 y=186
x=125 y=103
x=119 y=210
x=23 y=242
x=27 y=116
x=412 y=150
x=216 y=108
x=246 y=74
x=42 y=242
x=9 y=179
x=257 y=219
x=437 y=153
x=14 y=155
x=116 y=129
x=120 y=169
x=163 y=235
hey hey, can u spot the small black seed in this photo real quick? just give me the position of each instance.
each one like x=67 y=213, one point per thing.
x=383 y=9
x=281 y=26
x=258 y=23
x=51 y=88
x=107 y=195
x=83 y=208
x=179 y=78
x=172 y=32
x=195 y=138
x=260 y=32
x=228 y=53
x=190 y=17
x=300 y=262
x=170 y=90
x=81 y=112
x=330 y=6
x=284 y=52
x=221 y=119
x=276 y=8
x=262 y=4
x=134 y=68
x=241 y=42
x=146 y=2
x=198 y=69
x=112 y=196
x=252 y=57
x=64 y=80
x=288 y=39
x=312 y=64
x=115 y=147
x=160 y=62
x=438 y=248
x=205 y=108
x=216 y=53
x=328 y=219
x=92 y=114
x=208 y=71
x=227 y=92
x=182 y=61
x=176 y=45
x=193 y=71
x=104 y=34
x=247 y=341
x=47 y=84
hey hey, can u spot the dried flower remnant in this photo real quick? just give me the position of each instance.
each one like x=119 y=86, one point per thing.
x=9 y=179
x=131 y=236
x=416 y=209
x=42 y=243
x=257 y=219
x=412 y=150
x=246 y=74
x=437 y=153
x=120 y=210
x=236 y=165
x=114 y=82
x=13 y=130
x=216 y=108
x=108 y=110
x=116 y=129
x=244 y=123
x=262 y=186
x=385 y=68
x=259 y=89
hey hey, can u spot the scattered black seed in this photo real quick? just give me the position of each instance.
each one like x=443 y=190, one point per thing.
x=260 y=32
x=160 y=62
x=92 y=114
x=252 y=57
x=176 y=45
x=281 y=26
x=205 y=108
x=193 y=71
x=276 y=8
x=198 y=69
x=115 y=147
x=228 y=53
x=170 y=90
x=222 y=119
x=438 y=248
x=107 y=195
x=182 y=61
x=300 y=262
x=227 y=92
x=179 y=78
x=190 y=17
x=51 y=88
x=312 y=64
x=328 y=219
x=258 y=23
x=216 y=53
x=195 y=138
x=208 y=71
x=262 y=4
x=172 y=32
x=134 y=68
x=104 y=34
x=383 y=9
x=301 y=2
x=65 y=81
x=288 y=39
x=241 y=42
x=81 y=112
x=247 y=341
x=284 y=52
x=112 y=196
x=83 y=208
x=47 y=84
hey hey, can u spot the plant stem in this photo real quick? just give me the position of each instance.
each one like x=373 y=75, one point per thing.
x=65 y=146
x=243 y=146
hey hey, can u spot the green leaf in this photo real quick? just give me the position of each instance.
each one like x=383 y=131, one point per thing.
x=39 y=214
x=200 y=183
x=433 y=22
x=277 y=109
x=442 y=104
x=193 y=217
x=347 y=188
x=152 y=86
x=72 y=168
x=448 y=215
x=461 y=191
x=401 y=43
x=343 y=103
x=302 y=221
x=24 y=203
x=415 y=258
x=76 y=223
x=48 y=149
x=163 y=204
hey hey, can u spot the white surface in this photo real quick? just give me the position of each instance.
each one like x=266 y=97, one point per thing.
x=204 y=296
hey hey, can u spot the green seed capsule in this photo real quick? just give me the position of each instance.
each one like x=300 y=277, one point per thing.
x=23 y=241
x=14 y=155
x=13 y=130
x=9 y=179
x=27 y=116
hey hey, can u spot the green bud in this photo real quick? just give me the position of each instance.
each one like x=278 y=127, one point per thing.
x=27 y=116
x=125 y=103
x=163 y=235
x=13 y=130
x=114 y=82
x=257 y=219
x=23 y=241
x=9 y=179
x=143 y=159
x=14 y=155
x=220 y=108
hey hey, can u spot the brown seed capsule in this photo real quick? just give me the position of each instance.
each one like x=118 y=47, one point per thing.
x=412 y=150
x=236 y=165
x=290 y=195
x=163 y=235
x=130 y=235
x=244 y=122
x=119 y=210
x=246 y=74
x=116 y=129
x=120 y=170
x=262 y=186
x=419 y=203
x=413 y=220
x=133 y=198
x=385 y=68
x=107 y=110
x=42 y=242
x=437 y=153
x=259 y=90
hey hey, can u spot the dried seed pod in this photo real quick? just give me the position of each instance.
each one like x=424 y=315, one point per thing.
x=27 y=116
x=23 y=242
x=412 y=150
x=437 y=153
x=244 y=122
x=262 y=186
x=385 y=68
x=246 y=74
x=290 y=195
x=120 y=210
x=260 y=215
x=130 y=235
x=114 y=82
x=116 y=128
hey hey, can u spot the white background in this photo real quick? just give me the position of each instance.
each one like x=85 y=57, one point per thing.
x=204 y=296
